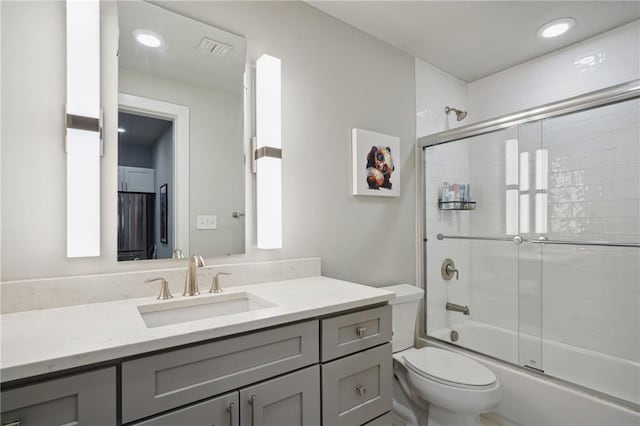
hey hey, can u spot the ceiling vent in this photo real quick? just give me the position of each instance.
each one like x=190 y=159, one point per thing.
x=215 y=48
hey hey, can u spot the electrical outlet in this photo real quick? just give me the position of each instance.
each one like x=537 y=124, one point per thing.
x=207 y=222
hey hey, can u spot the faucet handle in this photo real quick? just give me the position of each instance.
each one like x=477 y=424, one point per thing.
x=215 y=283
x=165 y=293
x=448 y=269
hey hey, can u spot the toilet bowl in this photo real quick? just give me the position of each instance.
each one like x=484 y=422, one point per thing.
x=441 y=387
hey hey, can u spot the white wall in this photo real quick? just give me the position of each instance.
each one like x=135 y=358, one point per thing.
x=163 y=163
x=334 y=78
x=435 y=90
x=556 y=76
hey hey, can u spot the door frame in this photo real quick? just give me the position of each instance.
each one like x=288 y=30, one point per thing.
x=179 y=115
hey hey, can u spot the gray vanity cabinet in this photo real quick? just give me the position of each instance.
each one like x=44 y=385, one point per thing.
x=158 y=383
x=220 y=411
x=83 y=399
x=290 y=400
x=334 y=370
x=358 y=387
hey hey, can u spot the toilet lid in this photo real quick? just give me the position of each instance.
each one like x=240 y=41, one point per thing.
x=449 y=367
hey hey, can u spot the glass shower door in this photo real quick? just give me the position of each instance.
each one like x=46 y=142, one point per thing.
x=591 y=297
x=531 y=192
x=548 y=257
x=498 y=275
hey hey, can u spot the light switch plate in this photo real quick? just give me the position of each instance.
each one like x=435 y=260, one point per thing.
x=207 y=222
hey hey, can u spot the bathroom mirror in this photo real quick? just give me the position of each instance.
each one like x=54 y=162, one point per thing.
x=181 y=160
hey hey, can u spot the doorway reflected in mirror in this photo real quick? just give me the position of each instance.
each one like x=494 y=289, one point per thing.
x=145 y=174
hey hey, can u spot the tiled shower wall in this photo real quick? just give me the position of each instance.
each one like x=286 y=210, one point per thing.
x=446 y=165
x=591 y=295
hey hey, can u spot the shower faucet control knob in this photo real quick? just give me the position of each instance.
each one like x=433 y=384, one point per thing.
x=449 y=269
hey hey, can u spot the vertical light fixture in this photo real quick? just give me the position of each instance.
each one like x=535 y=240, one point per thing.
x=268 y=153
x=83 y=128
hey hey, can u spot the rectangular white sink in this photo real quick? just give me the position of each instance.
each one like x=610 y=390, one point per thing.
x=200 y=307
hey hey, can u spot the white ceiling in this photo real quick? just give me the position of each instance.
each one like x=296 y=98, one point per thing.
x=474 y=39
x=178 y=59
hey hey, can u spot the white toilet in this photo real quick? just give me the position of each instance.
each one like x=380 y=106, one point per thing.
x=434 y=386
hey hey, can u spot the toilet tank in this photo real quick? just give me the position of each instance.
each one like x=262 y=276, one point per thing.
x=404 y=310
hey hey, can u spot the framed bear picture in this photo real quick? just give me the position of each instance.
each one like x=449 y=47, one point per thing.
x=376 y=163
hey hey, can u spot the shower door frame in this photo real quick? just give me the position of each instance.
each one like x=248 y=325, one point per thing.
x=610 y=95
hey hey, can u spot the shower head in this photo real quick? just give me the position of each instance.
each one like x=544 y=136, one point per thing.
x=460 y=115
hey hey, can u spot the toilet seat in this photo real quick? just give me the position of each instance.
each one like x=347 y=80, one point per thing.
x=449 y=368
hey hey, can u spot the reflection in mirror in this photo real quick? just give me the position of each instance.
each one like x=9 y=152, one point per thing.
x=145 y=151
x=180 y=136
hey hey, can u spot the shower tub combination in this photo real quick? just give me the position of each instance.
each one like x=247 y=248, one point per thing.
x=536 y=271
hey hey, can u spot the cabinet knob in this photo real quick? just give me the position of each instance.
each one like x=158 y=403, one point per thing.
x=361 y=331
x=361 y=390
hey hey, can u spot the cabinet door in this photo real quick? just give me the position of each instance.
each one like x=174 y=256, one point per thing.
x=160 y=382
x=138 y=179
x=289 y=400
x=357 y=388
x=83 y=399
x=220 y=411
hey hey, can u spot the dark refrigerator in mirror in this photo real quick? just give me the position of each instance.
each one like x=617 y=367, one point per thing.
x=135 y=226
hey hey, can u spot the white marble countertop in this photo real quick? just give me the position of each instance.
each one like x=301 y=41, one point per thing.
x=43 y=341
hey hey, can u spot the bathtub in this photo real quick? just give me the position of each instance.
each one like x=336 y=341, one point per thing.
x=527 y=393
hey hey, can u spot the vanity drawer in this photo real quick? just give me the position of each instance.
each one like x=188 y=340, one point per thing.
x=83 y=399
x=161 y=382
x=357 y=388
x=222 y=410
x=346 y=334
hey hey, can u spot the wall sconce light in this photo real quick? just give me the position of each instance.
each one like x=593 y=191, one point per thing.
x=83 y=139
x=268 y=153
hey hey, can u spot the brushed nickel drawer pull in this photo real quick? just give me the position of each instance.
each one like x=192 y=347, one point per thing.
x=361 y=331
x=361 y=390
x=230 y=411
x=16 y=422
x=252 y=402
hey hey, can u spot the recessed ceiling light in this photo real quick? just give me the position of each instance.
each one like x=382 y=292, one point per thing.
x=148 y=38
x=121 y=130
x=556 y=28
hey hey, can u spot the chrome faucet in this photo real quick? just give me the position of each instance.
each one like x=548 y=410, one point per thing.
x=215 y=283
x=191 y=280
x=457 y=308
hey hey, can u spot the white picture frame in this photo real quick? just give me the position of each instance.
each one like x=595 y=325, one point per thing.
x=375 y=163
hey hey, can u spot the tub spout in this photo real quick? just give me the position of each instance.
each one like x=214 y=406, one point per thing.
x=457 y=308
